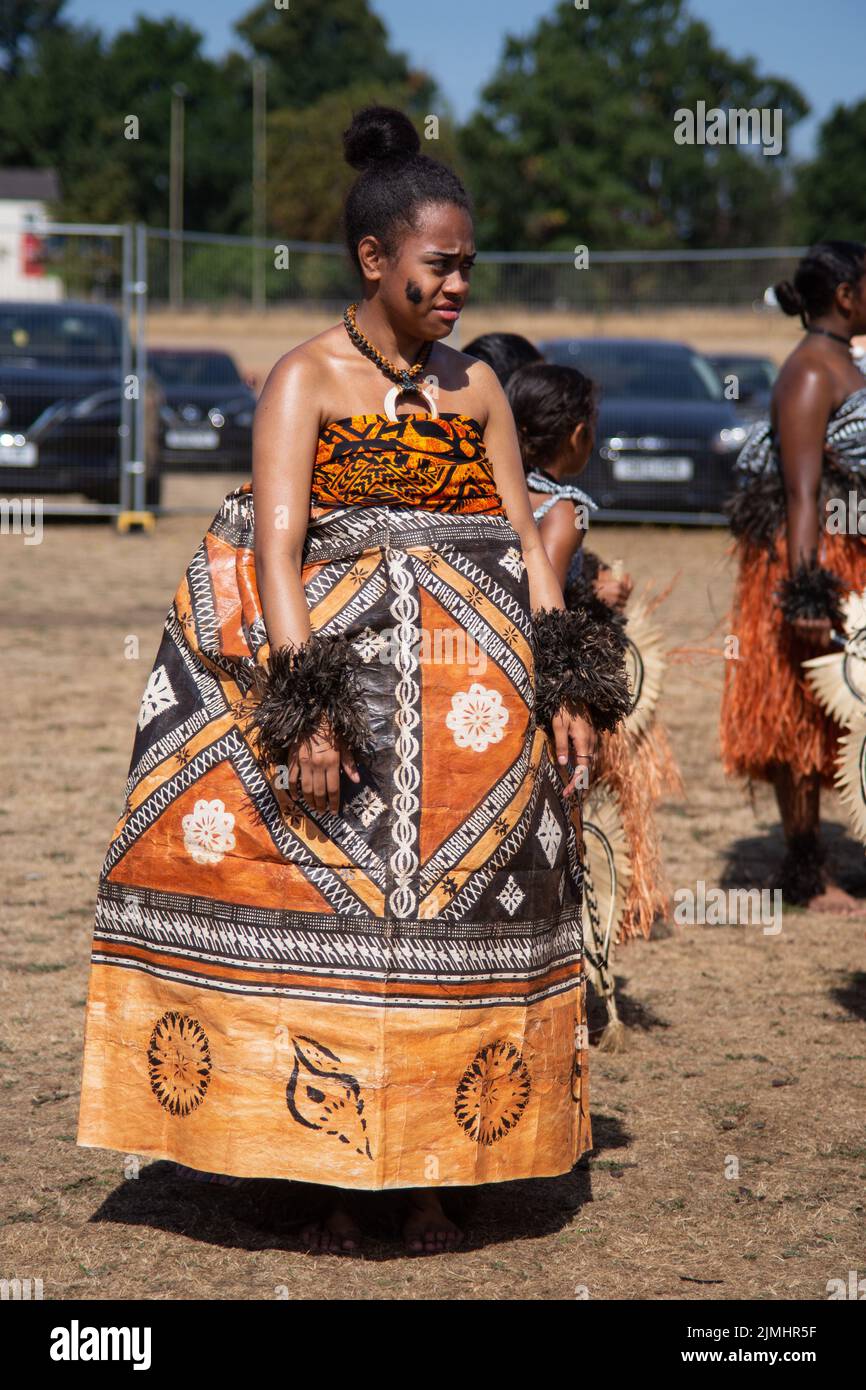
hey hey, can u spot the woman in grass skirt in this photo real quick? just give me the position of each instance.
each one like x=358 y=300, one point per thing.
x=801 y=487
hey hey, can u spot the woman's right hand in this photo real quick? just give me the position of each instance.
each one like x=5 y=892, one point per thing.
x=314 y=769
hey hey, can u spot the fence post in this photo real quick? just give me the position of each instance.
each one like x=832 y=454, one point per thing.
x=137 y=468
x=124 y=487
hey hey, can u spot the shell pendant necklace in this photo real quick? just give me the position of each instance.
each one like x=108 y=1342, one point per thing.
x=407 y=382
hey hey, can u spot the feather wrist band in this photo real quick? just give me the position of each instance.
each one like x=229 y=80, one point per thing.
x=301 y=686
x=811 y=592
x=579 y=659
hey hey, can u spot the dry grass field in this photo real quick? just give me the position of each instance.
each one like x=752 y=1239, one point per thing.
x=730 y=1138
x=257 y=340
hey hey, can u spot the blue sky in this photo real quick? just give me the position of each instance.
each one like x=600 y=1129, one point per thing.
x=819 y=44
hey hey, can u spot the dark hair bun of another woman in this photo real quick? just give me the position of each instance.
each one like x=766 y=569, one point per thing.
x=379 y=134
x=789 y=299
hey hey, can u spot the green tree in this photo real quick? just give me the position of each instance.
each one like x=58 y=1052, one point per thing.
x=307 y=175
x=580 y=118
x=327 y=46
x=69 y=107
x=21 y=22
x=830 y=198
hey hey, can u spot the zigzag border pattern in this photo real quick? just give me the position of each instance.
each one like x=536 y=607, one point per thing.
x=476 y=823
x=407 y=959
x=477 y=626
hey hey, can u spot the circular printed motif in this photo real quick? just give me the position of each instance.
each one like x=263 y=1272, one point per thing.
x=180 y=1063
x=477 y=717
x=493 y=1092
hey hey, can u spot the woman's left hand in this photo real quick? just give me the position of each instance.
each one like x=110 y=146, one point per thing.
x=571 y=726
x=612 y=589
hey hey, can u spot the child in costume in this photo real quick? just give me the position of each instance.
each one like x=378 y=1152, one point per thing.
x=555 y=412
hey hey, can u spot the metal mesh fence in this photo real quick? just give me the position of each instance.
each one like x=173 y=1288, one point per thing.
x=194 y=270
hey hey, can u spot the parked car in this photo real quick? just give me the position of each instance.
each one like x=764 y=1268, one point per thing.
x=206 y=420
x=667 y=438
x=754 y=380
x=61 y=389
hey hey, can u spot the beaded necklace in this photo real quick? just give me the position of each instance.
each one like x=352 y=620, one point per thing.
x=405 y=377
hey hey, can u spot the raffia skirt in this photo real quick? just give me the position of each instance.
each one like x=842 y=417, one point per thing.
x=389 y=996
x=769 y=714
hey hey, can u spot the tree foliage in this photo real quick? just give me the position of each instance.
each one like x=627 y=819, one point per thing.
x=831 y=191
x=572 y=143
x=580 y=118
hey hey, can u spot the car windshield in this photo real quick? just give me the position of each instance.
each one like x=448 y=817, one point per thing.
x=69 y=335
x=626 y=370
x=195 y=369
x=753 y=374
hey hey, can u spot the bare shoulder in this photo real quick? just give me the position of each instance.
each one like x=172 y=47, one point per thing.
x=562 y=516
x=479 y=373
x=804 y=371
x=307 y=359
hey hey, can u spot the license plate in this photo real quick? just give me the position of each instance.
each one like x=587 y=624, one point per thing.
x=653 y=470
x=18 y=455
x=191 y=439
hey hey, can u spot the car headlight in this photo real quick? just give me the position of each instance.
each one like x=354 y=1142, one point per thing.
x=729 y=441
x=216 y=418
x=245 y=419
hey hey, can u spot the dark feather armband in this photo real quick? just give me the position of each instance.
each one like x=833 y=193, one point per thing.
x=811 y=592
x=301 y=686
x=580 y=660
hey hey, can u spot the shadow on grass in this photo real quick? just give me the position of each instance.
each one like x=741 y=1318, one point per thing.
x=633 y=1012
x=852 y=995
x=754 y=861
x=267 y=1214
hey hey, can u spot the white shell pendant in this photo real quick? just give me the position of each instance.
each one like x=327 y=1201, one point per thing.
x=397 y=391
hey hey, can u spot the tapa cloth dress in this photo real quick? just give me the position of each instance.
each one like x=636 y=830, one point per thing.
x=392 y=995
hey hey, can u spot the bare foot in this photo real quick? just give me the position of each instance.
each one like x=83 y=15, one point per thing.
x=426 y=1228
x=835 y=899
x=333 y=1234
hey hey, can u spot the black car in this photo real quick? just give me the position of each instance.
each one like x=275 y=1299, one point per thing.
x=747 y=379
x=206 y=420
x=61 y=402
x=667 y=438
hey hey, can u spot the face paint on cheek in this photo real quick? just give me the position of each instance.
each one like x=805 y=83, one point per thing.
x=413 y=292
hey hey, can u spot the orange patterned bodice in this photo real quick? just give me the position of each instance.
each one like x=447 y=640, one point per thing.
x=415 y=461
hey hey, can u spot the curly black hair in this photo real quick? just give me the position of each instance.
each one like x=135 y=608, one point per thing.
x=395 y=181
x=825 y=265
x=504 y=352
x=548 y=402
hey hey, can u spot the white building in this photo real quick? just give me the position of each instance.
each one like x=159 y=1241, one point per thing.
x=24 y=198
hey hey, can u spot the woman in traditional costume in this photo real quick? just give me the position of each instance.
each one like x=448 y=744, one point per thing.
x=801 y=486
x=338 y=933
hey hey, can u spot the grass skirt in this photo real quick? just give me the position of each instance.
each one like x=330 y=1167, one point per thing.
x=769 y=714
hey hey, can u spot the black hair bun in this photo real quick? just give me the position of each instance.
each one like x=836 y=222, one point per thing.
x=377 y=134
x=789 y=299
